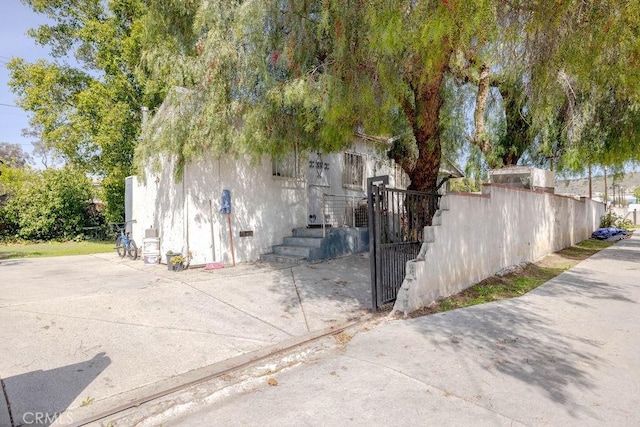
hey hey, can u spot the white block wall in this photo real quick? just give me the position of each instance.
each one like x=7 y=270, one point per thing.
x=480 y=235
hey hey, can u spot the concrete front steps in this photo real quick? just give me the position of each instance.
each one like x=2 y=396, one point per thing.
x=308 y=245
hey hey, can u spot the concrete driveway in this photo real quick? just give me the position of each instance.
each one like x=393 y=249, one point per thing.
x=84 y=333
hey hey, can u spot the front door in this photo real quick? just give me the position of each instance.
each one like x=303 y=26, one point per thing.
x=318 y=179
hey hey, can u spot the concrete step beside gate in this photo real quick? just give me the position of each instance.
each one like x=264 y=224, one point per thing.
x=283 y=259
x=312 y=242
x=308 y=244
x=305 y=245
x=310 y=232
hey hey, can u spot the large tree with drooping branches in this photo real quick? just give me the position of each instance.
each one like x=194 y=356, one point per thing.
x=268 y=76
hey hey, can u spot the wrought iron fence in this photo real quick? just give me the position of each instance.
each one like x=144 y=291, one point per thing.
x=397 y=219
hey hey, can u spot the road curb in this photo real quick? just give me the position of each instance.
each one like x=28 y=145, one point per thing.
x=105 y=408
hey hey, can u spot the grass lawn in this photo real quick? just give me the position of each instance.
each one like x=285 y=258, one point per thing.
x=518 y=283
x=48 y=249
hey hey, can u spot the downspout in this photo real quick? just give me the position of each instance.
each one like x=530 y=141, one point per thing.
x=220 y=229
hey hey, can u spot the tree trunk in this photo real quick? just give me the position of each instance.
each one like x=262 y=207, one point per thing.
x=424 y=120
x=423 y=116
x=480 y=138
x=511 y=147
x=516 y=139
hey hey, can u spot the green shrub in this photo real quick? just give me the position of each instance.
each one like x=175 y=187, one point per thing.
x=54 y=205
x=611 y=219
x=11 y=181
x=8 y=221
x=113 y=196
x=465 y=185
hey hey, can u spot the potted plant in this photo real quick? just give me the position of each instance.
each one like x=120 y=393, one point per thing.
x=171 y=254
x=177 y=262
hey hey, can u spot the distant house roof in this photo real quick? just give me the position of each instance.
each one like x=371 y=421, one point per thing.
x=449 y=167
x=374 y=138
x=177 y=98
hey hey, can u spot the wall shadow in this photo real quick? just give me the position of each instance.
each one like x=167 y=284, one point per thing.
x=511 y=339
x=521 y=337
x=40 y=397
x=344 y=281
x=623 y=250
x=579 y=283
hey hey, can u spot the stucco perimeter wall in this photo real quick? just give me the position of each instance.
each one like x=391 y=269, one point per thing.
x=187 y=215
x=479 y=235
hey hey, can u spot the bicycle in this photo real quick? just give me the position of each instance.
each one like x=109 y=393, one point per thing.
x=125 y=245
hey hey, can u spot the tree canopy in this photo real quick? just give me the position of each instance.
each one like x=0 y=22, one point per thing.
x=269 y=77
x=505 y=81
x=263 y=77
x=89 y=111
x=13 y=155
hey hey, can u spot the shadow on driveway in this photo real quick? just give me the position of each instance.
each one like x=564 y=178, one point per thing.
x=40 y=397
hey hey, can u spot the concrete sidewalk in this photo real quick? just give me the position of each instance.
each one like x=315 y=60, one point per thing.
x=80 y=335
x=567 y=353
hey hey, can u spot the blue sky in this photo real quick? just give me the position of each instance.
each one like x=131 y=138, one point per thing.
x=15 y=20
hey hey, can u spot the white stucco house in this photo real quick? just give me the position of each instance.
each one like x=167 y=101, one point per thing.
x=268 y=200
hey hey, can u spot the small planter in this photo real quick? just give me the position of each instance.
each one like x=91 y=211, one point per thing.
x=170 y=255
x=171 y=266
x=175 y=262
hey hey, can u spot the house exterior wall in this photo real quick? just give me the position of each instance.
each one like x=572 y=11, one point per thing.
x=158 y=202
x=187 y=213
x=331 y=182
x=517 y=226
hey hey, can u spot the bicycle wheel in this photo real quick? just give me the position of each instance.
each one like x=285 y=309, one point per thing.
x=120 y=249
x=133 y=250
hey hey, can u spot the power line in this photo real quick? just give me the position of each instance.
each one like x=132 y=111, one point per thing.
x=8 y=105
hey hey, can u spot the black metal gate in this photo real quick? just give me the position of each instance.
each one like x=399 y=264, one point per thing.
x=396 y=222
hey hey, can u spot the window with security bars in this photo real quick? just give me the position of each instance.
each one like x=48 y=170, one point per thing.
x=353 y=175
x=287 y=166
